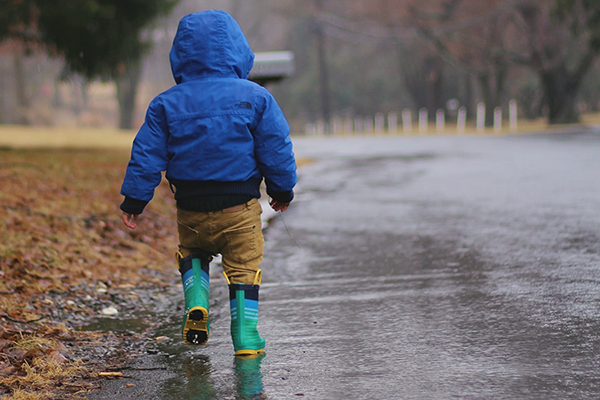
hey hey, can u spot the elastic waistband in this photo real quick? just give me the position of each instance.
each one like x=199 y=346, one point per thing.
x=227 y=210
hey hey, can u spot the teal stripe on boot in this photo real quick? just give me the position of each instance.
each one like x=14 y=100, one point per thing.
x=243 y=301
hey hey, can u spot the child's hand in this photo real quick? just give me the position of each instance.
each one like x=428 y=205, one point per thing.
x=130 y=220
x=278 y=206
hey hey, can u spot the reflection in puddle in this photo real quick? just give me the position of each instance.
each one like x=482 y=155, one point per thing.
x=200 y=380
x=197 y=372
x=248 y=377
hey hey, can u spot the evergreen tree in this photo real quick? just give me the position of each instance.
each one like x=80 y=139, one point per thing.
x=96 y=38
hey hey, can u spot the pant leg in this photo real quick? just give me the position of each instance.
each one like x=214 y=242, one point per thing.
x=195 y=237
x=240 y=241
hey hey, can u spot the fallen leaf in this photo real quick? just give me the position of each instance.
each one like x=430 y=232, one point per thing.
x=9 y=370
x=110 y=374
x=56 y=357
x=17 y=354
x=33 y=353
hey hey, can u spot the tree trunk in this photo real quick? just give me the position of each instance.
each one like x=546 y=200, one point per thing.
x=323 y=68
x=414 y=79
x=23 y=103
x=435 y=86
x=560 y=90
x=127 y=83
x=468 y=101
x=323 y=76
x=492 y=90
x=423 y=81
x=489 y=99
x=501 y=72
x=2 y=97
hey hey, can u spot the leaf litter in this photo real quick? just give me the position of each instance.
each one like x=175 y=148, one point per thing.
x=64 y=258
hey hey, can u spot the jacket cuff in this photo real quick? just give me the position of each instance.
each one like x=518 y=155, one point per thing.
x=282 y=197
x=133 y=206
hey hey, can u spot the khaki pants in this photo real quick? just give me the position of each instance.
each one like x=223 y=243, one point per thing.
x=235 y=233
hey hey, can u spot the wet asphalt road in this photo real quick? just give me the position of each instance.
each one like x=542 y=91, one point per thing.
x=415 y=268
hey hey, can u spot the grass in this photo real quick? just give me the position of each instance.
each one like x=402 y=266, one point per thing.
x=25 y=137
x=45 y=379
x=37 y=369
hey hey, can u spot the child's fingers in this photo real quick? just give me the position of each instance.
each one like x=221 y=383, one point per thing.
x=130 y=220
x=278 y=206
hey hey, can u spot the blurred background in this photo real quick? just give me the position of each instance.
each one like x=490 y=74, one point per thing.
x=98 y=63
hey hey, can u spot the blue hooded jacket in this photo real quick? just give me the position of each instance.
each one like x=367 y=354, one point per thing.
x=215 y=132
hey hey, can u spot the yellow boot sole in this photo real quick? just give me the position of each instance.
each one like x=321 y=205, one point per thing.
x=245 y=353
x=195 y=331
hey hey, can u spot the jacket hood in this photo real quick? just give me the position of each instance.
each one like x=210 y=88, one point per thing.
x=210 y=44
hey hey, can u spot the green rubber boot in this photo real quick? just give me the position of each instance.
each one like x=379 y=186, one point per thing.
x=195 y=279
x=243 y=300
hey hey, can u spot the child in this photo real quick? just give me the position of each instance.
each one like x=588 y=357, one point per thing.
x=217 y=135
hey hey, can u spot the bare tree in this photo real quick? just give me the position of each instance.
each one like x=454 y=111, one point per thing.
x=469 y=35
x=556 y=39
x=559 y=47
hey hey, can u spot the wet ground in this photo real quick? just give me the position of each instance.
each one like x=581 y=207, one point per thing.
x=412 y=268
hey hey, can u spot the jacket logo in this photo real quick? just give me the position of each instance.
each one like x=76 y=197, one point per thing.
x=244 y=105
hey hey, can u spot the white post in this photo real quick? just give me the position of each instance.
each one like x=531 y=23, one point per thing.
x=461 y=120
x=423 y=120
x=440 y=121
x=348 y=126
x=309 y=129
x=392 y=122
x=512 y=115
x=480 y=117
x=321 y=128
x=497 y=119
x=379 y=123
x=406 y=121
x=358 y=125
x=337 y=125
x=368 y=125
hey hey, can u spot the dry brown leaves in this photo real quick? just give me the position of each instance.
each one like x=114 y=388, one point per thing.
x=61 y=234
x=35 y=363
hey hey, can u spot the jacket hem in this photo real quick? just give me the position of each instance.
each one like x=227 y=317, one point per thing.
x=185 y=189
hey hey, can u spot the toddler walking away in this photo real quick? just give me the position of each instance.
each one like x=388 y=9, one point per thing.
x=217 y=135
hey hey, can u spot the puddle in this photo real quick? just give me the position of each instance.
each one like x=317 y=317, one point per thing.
x=115 y=324
x=170 y=369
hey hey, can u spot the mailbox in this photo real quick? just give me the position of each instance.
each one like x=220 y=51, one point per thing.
x=272 y=66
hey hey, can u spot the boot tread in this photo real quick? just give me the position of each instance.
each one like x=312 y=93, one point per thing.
x=196 y=337
x=195 y=330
